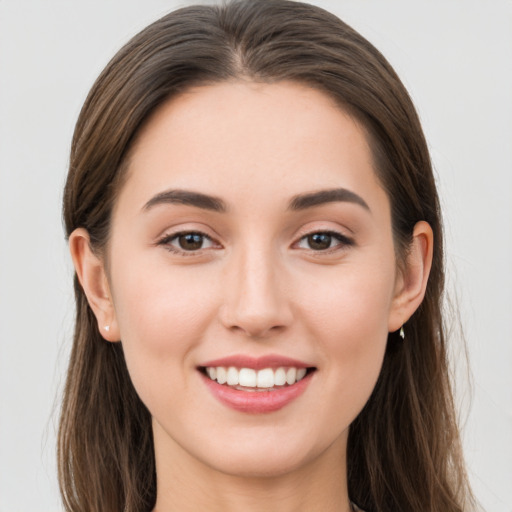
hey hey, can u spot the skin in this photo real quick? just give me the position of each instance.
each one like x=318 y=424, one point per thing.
x=255 y=287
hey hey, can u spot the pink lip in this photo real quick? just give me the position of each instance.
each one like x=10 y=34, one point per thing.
x=257 y=363
x=256 y=402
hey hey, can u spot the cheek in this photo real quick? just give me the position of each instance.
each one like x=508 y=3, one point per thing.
x=348 y=319
x=352 y=303
x=162 y=316
x=157 y=307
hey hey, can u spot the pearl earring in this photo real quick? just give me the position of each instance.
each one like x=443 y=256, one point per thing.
x=107 y=328
x=402 y=333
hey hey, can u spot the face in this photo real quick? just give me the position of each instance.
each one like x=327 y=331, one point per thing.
x=252 y=234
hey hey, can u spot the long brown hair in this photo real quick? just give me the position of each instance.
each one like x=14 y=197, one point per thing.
x=403 y=448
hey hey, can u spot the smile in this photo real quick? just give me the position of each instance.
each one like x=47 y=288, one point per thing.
x=256 y=385
x=249 y=379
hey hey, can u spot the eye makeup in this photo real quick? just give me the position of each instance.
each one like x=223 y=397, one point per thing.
x=324 y=241
x=187 y=243
x=193 y=242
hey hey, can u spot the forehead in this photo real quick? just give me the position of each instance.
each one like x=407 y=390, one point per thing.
x=251 y=139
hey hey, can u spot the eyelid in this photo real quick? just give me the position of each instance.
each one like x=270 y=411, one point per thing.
x=166 y=239
x=344 y=240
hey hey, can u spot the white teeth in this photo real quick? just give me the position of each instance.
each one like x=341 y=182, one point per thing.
x=247 y=378
x=291 y=375
x=221 y=375
x=265 y=378
x=232 y=376
x=280 y=377
x=250 y=378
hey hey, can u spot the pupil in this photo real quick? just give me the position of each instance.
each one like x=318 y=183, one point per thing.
x=191 y=241
x=319 y=241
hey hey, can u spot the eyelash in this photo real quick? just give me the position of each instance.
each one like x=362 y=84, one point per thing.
x=343 y=242
x=167 y=239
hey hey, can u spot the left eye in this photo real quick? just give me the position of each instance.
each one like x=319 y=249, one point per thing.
x=322 y=241
x=188 y=241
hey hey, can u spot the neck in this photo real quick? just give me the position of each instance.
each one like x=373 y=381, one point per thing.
x=185 y=484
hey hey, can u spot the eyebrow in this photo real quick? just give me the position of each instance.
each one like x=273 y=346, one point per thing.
x=212 y=203
x=188 y=198
x=304 y=201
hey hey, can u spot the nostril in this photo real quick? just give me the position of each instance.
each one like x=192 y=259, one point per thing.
x=256 y=329
x=254 y=309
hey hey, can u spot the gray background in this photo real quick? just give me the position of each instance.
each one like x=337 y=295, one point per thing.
x=455 y=57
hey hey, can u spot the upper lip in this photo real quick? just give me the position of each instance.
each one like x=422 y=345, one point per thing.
x=257 y=363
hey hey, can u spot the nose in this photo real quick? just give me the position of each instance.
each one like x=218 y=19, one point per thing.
x=255 y=300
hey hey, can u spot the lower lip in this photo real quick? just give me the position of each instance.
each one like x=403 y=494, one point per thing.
x=257 y=402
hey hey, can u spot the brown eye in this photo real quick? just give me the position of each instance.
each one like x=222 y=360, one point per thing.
x=324 y=240
x=187 y=242
x=190 y=241
x=319 y=241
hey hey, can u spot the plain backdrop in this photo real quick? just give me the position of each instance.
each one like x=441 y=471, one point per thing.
x=455 y=57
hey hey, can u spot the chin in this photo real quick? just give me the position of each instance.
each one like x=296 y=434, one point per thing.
x=271 y=454
x=261 y=465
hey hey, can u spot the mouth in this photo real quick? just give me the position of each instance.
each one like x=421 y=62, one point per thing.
x=253 y=380
x=256 y=385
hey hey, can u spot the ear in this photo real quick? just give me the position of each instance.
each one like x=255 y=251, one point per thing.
x=91 y=273
x=411 y=282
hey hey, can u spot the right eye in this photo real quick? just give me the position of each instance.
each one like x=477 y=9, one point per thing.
x=187 y=242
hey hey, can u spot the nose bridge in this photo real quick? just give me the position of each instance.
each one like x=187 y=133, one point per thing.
x=255 y=301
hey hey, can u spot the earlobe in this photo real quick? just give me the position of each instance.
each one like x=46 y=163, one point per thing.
x=412 y=281
x=91 y=273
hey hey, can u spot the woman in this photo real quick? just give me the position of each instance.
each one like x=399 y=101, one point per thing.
x=257 y=241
